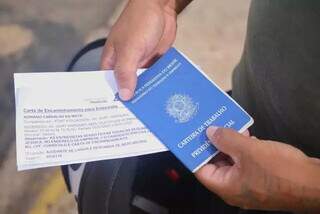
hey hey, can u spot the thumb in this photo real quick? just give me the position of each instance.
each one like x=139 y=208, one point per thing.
x=107 y=57
x=126 y=66
x=228 y=141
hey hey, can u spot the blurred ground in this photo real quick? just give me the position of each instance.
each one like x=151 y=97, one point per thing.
x=40 y=36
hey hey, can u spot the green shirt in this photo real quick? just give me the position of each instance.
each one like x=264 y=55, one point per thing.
x=278 y=78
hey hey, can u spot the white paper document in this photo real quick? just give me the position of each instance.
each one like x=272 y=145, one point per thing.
x=73 y=117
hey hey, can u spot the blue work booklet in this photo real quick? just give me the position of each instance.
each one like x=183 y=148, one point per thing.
x=177 y=102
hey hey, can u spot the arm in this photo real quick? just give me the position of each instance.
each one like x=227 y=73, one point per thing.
x=264 y=175
x=144 y=31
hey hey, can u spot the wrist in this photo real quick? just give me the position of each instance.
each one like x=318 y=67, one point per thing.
x=308 y=189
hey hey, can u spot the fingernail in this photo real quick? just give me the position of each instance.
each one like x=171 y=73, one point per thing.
x=125 y=94
x=211 y=131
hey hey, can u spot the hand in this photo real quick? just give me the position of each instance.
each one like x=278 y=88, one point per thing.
x=261 y=174
x=145 y=30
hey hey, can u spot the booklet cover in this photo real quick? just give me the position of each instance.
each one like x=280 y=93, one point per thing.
x=177 y=102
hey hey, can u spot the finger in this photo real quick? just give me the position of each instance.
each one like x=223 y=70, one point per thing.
x=108 y=57
x=212 y=176
x=126 y=66
x=206 y=173
x=228 y=141
x=222 y=163
x=166 y=41
x=222 y=157
x=246 y=133
x=150 y=61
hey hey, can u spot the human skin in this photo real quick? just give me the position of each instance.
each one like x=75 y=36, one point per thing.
x=144 y=31
x=256 y=174
x=262 y=174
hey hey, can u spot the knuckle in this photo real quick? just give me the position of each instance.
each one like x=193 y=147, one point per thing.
x=107 y=62
x=109 y=43
x=107 y=58
x=225 y=132
x=108 y=47
x=221 y=135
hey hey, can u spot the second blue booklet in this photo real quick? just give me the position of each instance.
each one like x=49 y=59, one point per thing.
x=177 y=103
